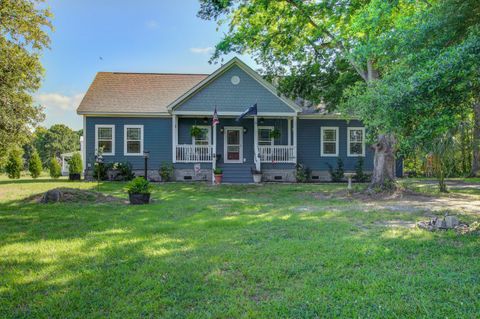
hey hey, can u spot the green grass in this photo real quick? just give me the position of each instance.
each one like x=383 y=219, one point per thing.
x=226 y=252
x=465 y=186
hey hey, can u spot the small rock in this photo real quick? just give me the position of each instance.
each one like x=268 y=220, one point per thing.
x=52 y=196
x=451 y=221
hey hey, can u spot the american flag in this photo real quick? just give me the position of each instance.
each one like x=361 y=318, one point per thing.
x=215 y=120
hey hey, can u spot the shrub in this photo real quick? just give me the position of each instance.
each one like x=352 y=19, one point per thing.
x=55 y=168
x=124 y=170
x=195 y=131
x=75 y=164
x=35 y=165
x=302 y=173
x=360 y=175
x=100 y=171
x=139 y=185
x=14 y=164
x=218 y=171
x=166 y=172
x=337 y=174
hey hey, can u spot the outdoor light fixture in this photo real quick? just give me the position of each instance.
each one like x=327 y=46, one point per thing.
x=244 y=130
x=221 y=130
x=261 y=120
x=146 y=155
x=205 y=120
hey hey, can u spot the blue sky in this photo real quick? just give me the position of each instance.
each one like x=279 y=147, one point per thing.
x=119 y=35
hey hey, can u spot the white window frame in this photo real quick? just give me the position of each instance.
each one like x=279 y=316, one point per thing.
x=271 y=128
x=348 y=141
x=98 y=126
x=125 y=149
x=225 y=146
x=327 y=128
x=209 y=128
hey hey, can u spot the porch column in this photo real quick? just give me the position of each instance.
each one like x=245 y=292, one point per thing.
x=214 y=152
x=174 y=138
x=255 y=143
x=295 y=138
x=289 y=121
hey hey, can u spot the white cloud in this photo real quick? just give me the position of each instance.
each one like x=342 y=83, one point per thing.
x=152 y=24
x=56 y=101
x=201 y=50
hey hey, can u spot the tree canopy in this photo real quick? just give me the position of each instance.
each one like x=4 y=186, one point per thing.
x=23 y=36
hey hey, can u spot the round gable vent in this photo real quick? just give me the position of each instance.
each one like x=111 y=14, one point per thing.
x=235 y=80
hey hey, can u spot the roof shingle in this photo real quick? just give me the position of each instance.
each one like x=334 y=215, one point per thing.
x=115 y=92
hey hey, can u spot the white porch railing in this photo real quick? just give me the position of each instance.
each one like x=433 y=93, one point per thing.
x=276 y=153
x=188 y=153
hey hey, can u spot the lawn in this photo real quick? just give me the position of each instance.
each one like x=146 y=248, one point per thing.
x=226 y=252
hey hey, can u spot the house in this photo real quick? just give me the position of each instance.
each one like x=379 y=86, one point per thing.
x=128 y=114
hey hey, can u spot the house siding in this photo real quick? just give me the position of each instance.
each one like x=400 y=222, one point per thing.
x=234 y=98
x=157 y=140
x=308 y=150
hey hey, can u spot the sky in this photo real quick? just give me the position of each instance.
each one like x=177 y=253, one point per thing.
x=119 y=35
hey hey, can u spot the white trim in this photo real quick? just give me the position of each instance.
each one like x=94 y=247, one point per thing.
x=225 y=157
x=84 y=150
x=223 y=69
x=295 y=138
x=322 y=129
x=265 y=127
x=125 y=150
x=289 y=128
x=124 y=114
x=174 y=138
x=209 y=137
x=209 y=113
x=97 y=126
x=315 y=116
x=348 y=141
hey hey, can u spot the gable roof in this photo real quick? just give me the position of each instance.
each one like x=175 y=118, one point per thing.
x=219 y=72
x=135 y=93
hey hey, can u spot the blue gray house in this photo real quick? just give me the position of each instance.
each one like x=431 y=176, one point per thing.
x=127 y=114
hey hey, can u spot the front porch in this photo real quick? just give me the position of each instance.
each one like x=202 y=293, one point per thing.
x=236 y=147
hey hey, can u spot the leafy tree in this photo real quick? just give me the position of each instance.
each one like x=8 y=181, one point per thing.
x=56 y=140
x=338 y=173
x=55 y=168
x=23 y=36
x=35 y=165
x=14 y=164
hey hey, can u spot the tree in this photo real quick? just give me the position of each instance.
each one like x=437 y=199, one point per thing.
x=56 y=140
x=75 y=165
x=23 y=36
x=14 y=164
x=35 y=165
x=54 y=168
x=319 y=48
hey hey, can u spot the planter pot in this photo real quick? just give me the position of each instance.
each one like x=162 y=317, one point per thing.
x=218 y=178
x=74 y=177
x=139 y=199
x=257 y=178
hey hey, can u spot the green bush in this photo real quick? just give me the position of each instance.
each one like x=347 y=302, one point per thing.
x=100 y=171
x=360 y=175
x=166 y=172
x=302 y=173
x=54 y=168
x=75 y=164
x=35 y=165
x=124 y=171
x=139 y=185
x=218 y=171
x=14 y=164
x=337 y=174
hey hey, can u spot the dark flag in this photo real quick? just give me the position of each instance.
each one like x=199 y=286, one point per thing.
x=215 y=120
x=252 y=110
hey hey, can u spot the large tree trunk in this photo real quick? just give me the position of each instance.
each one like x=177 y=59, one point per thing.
x=476 y=138
x=383 y=177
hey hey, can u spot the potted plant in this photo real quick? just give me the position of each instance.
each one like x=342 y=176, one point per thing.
x=75 y=167
x=257 y=176
x=218 y=173
x=275 y=133
x=195 y=131
x=139 y=190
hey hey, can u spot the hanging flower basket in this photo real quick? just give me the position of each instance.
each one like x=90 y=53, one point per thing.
x=195 y=131
x=275 y=133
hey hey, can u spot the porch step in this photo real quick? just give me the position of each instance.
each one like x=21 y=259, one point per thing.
x=233 y=173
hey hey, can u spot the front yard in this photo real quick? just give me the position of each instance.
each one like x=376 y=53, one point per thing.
x=299 y=251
